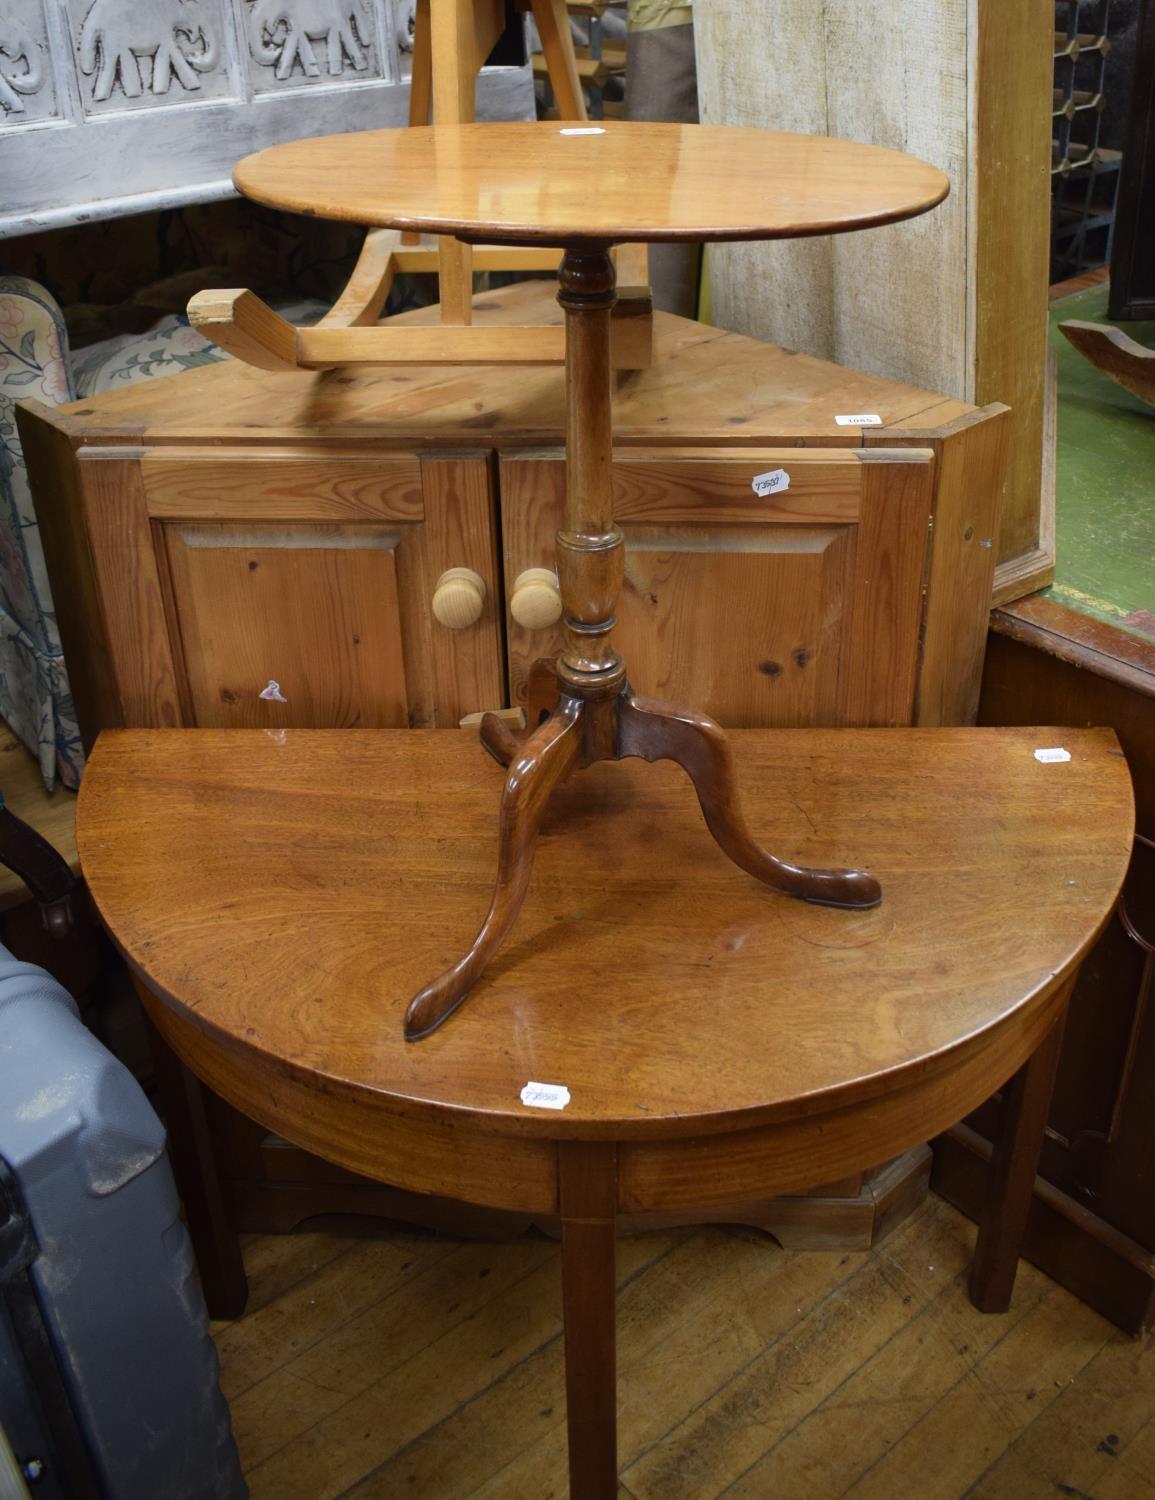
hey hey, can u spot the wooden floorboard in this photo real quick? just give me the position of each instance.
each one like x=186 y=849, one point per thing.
x=411 y=1364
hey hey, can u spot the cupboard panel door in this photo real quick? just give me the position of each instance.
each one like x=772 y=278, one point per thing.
x=312 y=609
x=466 y=668
x=317 y=573
x=794 y=602
x=750 y=633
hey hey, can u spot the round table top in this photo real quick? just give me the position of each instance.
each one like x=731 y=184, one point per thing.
x=286 y=893
x=559 y=183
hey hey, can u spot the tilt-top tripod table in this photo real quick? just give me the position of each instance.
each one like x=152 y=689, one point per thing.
x=586 y=188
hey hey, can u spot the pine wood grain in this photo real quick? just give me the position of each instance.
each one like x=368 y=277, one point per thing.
x=464 y=666
x=213 y=485
x=130 y=586
x=741 y=393
x=337 y=658
x=957 y=301
x=970 y=452
x=530 y=182
x=828 y=572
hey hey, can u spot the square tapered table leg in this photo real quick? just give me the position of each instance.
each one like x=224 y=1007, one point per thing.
x=587 y=1180
x=1026 y=1103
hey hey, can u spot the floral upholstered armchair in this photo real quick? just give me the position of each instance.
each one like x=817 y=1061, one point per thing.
x=35 y=699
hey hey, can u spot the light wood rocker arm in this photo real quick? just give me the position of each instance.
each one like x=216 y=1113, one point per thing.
x=245 y=326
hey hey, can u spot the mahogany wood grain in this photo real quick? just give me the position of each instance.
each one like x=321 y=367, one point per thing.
x=670 y=1176
x=532 y=181
x=589 y=547
x=204 y=852
x=717 y=387
x=1026 y=1102
x=542 y=763
x=218 y=1251
x=656 y=731
x=587 y=1197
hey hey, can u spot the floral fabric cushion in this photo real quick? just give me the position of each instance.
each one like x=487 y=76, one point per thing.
x=132 y=357
x=169 y=346
x=34 y=695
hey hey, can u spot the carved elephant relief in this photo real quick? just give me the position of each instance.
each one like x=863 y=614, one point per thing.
x=145 y=44
x=21 y=67
x=404 y=23
x=283 y=33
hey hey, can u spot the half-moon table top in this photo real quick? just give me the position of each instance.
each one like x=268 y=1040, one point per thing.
x=285 y=893
x=558 y=183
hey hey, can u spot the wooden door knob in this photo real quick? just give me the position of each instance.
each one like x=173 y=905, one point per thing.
x=459 y=598
x=536 y=600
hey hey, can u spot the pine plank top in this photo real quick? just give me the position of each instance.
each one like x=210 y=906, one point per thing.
x=286 y=894
x=554 y=182
x=704 y=385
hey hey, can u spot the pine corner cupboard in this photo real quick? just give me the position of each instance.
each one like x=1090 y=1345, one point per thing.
x=232 y=548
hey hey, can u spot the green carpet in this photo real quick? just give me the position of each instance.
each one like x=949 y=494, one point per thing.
x=1105 y=497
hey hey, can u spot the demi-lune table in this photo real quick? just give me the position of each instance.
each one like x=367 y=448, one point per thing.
x=587 y=188
x=665 y=1035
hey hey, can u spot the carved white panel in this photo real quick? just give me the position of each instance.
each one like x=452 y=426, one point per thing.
x=404 y=21
x=114 y=107
x=296 y=42
x=132 y=54
x=27 y=84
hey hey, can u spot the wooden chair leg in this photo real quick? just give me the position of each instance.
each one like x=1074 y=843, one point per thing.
x=421 y=75
x=659 y=731
x=420 y=84
x=1026 y=1103
x=215 y=1242
x=587 y=1181
x=552 y=20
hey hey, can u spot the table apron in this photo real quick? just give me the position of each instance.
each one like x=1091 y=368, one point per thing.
x=450 y=1157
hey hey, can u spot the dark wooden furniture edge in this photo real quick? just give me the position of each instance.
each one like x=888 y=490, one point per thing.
x=1102 y=1267
x=1080 y=1249
x=819 y=1220
x=1094 y=645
